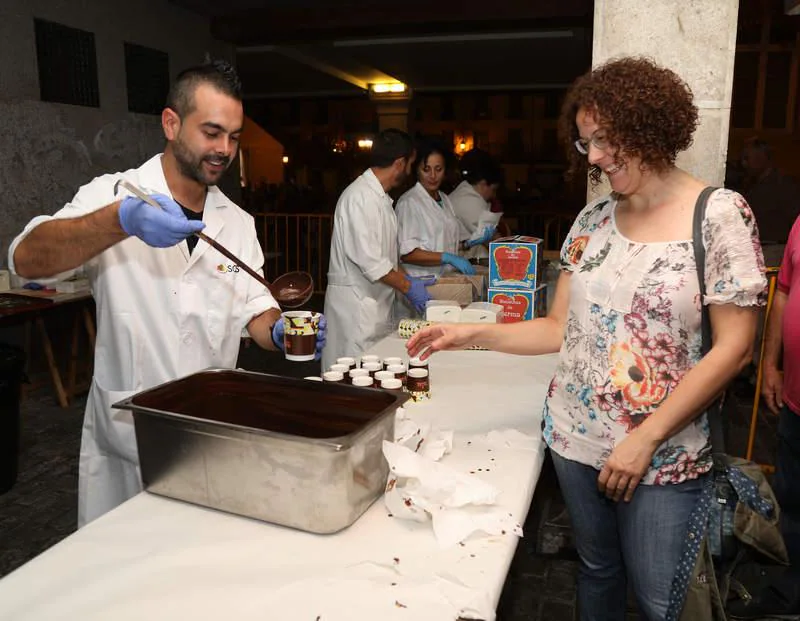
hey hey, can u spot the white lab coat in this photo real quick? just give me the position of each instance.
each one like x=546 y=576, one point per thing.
x=468 y=206
x=161 y=314
x=422 y=223
x=358 y=306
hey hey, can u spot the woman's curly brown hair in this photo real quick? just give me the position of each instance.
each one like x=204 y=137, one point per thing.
x=646 y=111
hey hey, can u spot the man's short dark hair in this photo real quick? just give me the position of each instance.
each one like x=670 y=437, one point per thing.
x=477 y=165
x=218 y=73
x=390 y=145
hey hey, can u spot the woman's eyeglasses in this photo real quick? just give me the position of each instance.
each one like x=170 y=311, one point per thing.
x=600 y=141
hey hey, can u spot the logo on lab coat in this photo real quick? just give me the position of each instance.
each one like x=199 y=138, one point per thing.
x=222 y=268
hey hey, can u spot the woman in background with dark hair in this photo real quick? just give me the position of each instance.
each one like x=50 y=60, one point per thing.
x=428 y=232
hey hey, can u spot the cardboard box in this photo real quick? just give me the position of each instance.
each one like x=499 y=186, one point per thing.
x=519 y=304
x=514 y=262
x=458 y=287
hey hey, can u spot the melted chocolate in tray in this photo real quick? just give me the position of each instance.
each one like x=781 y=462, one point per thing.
x=270 y=403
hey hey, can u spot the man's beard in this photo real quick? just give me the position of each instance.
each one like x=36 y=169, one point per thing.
x=191 y=165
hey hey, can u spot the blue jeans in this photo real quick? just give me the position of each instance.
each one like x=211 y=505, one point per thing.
x=640 y=541
x=786 y=483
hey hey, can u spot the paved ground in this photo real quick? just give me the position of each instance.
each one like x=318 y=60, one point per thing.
x=41 y=509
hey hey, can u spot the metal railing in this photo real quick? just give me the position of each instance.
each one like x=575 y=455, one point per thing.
x=296 y=242
x=302 y=241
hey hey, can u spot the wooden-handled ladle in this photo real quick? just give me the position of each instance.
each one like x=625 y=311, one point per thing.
x=290 y=290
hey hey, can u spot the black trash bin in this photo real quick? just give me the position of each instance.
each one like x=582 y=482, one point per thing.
x=12 y=372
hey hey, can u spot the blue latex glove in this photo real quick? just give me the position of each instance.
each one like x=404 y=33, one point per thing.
x=418 y=293
x=278 y=331
x=160 y=228
x=460 y=263
x=488 y=232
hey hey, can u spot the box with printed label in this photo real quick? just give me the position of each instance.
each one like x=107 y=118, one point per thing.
x=520 y=305
x=514 y=262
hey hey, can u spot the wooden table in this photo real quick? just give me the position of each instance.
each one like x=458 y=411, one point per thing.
x=31 y=308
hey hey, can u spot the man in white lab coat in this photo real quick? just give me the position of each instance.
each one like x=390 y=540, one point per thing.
x=363 y=275
x=471 y=201
x=167 y=304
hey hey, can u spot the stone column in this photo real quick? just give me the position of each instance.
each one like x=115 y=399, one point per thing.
x=694 y=38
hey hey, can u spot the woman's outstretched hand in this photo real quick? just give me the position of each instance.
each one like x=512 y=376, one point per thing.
x=439 y=338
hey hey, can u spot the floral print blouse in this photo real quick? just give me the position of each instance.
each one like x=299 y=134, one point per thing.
x=633 y=330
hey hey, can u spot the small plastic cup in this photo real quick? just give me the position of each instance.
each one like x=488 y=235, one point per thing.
x=382 y=375
x=354 y=373
x=389 y=362
x=333 y=377
x=399 y=371
x=372 y=367
x=392 y=384
x=363 y=381
x=369 y=358
x=347 y=361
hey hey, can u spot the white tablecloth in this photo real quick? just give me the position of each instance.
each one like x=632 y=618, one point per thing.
x=154 y=558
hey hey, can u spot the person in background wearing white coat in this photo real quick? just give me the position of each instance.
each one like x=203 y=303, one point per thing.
x=167 y=304
x=471 y=199
x=428 y=232
x=364 y=275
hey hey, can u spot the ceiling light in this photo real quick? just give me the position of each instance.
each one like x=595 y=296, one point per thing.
x=396 y=87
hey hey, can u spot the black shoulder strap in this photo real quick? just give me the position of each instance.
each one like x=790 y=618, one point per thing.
x=713 y=412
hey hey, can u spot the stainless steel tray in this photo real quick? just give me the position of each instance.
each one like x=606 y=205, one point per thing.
x=288 y=451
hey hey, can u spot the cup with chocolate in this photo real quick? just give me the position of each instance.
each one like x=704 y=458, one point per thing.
x=392 y=384
x=343 y=369
x=364 y=381
x=372 y=367
x=390 y=362
x=333 y=377
x=382 y=375
x=347 y=361
x=354 y=373
x=418 y=384
x=399 y=371
x=300 y=335
x=369 y=358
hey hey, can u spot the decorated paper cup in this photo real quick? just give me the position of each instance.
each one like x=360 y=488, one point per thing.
x=300 y=336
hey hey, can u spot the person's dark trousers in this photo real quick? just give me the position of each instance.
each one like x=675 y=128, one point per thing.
x=786 y=483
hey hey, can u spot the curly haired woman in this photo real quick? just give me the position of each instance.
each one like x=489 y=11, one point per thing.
x=623 y=413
